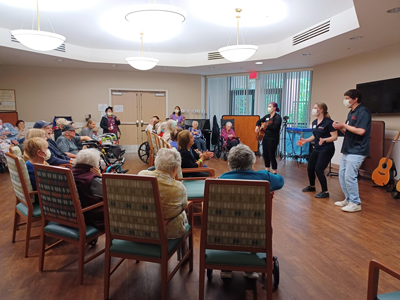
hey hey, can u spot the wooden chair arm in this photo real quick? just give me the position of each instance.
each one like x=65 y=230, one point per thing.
x=194 y=178
x=373 y=277
x=211 y=172
x=34 y=193
x=100 y=204
x=68 y=166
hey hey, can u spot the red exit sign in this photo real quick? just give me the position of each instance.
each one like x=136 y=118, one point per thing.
x=253 y=75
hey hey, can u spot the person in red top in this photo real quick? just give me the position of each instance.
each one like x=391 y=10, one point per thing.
x=110 y=122
x=228 y=134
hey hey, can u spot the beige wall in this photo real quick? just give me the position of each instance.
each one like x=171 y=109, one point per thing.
x=332 y=79
x=43 y=93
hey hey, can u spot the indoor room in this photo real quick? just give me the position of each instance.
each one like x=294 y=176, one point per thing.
x=200 y=149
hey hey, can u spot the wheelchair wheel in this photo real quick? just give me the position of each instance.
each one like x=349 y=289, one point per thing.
x=144 y=152
x=225 y=156
x=275 y=272
x=209 y=274
x=218 y=150
x=94 y=242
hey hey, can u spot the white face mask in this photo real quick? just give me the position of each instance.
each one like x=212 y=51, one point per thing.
x=346 y=102
x=314 y=112
x=48 y=155
x=269 y=109
x=176 y=111
x=109 y=114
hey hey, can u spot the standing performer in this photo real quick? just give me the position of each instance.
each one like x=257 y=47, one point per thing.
x=324 y=135
x=270 y=126
x=177 y=116
x=355 y=148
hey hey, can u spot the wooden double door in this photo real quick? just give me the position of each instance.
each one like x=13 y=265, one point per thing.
x=137 y=109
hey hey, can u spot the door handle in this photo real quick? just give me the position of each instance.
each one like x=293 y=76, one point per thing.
x=137 y=123
x=141 y=123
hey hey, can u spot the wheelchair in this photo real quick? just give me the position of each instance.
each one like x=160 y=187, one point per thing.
x=222 y=149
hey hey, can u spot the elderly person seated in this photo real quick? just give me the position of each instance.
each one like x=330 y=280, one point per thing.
x=171 y=125
x=241 y=161
x=60 y=122
x=57 y=157
x=190 y=158
x=20 y=126
x=68 y=140
x=152 y=121
x=198 y=137
x=172 y=192
x=174 y=137
x=37 y=152
x=228 y=134
x=162 y=128
x=88 y=182
x=8 y=133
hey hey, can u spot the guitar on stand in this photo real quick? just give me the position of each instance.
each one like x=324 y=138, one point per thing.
x=262 y=130
x=384 y=174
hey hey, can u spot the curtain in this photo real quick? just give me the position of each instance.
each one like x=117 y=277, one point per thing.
x=217 y=97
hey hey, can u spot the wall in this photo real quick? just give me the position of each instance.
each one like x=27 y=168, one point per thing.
x=43 y=93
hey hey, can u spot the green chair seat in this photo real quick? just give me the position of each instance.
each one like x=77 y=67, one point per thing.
x=24 y=210
x=234 y=258
x=69 y=232
x=389 y=296
x=143 y=249
x=194 y=188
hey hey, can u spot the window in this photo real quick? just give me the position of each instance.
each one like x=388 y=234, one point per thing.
x=241 y=96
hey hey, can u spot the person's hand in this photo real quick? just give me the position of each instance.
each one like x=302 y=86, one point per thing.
x=301 y=142
x=71 y=161
x=6 y=132
x=321 y=141
x=96 y=171
x=117 y=118
x=231 y=135
x=257 y=129
x=14 y=142
x=183 y=118
x=209 y=154
x=109 y=128
x=338 y=125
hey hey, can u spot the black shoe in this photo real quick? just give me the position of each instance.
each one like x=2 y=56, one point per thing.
x=308 y=189
x=322 y=195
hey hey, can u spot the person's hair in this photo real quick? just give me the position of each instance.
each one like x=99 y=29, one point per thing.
x=32 y=146
x=228 y=123
x=19 y=121
x=324 y=108
x=110 y=107
x=167 y=159
x=34 y=133
x=353 y=94
x=90 y=121
x=170 y=125
x=179 y=113
x=241 y=158
x=96 y=129
x=163 y=126
x=156 y=118
x=156 y=125
x=89 y=157
x=274 y=104
x=183 y=139
x=174 y=133
x=195 y=122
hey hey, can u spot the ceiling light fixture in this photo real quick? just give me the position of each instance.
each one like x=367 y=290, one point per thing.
x=238 y=52
x=140 y=62
x=306 y=54
x=59 y=59
x=357 y=37
x=394 y=10
x=36 y=39
x=259 y=63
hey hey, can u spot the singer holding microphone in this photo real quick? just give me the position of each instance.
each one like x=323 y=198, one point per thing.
x=270 y=126
x=324 y=135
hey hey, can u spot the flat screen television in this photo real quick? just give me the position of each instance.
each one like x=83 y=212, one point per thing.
x=381 y=97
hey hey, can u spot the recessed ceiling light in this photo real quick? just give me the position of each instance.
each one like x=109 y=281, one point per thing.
x=306 y=54
x=394 y=10
x=165 y=68
x=259 y=63
x=114 y=66
x=59 y=59
x=357 y=37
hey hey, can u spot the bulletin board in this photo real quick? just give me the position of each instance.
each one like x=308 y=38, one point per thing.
x=7 y=100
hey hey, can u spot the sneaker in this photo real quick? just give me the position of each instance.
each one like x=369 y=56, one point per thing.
x=322 y=195
x=251 y=275
x=308 y=189
x=226 y=274
x=342 y=203
x=352 y=207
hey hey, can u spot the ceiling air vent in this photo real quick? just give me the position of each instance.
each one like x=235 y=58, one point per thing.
x=214 y=55
x=312 y=33
x=61 y=48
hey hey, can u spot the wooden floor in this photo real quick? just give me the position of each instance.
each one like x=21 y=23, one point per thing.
x=323 y=252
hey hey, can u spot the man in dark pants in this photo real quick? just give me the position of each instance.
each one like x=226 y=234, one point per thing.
x=357 y=132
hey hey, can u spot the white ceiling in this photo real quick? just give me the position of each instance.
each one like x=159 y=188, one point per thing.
x=198 y=34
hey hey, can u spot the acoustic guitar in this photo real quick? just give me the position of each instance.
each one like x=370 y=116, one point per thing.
x=381 y=175
x=262 y=130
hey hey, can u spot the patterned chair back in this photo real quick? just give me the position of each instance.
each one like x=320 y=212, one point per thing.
x=237 y=215
x=58 y=195
x=132 y=209
x=16 y=151
x=20 y=178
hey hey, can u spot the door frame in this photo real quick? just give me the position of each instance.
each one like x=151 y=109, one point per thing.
x=140 y=90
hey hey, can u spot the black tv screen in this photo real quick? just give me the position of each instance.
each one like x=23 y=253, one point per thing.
x=381 y=97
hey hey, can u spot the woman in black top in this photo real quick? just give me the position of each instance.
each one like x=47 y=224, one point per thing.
x=272 y=125
x=324 y=135
x=190 y=158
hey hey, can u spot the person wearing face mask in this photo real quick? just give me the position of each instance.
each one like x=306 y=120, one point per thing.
x=176 y=116
x=324 y=135
x=271 y=123
x=110 y=122
x=37 y=151
x=355 y=148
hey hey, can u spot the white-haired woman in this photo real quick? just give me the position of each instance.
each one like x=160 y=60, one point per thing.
x=172 y=192
x=229 y=136
x=169 y=128
x=198 y=137
x=88 y=182
x=162 y=129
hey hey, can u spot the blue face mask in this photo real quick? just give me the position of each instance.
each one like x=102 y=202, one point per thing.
x=162 y=130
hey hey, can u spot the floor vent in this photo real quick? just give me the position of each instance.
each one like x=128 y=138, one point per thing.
x=214 y=55
x=61 y=48
x=312 y=33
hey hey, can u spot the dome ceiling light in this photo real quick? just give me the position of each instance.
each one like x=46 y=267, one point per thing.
x=238 y=52
x=37 y=39
x=141 y=62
